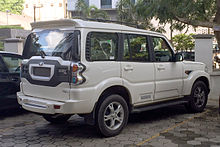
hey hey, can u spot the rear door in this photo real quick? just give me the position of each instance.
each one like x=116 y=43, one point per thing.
x=137 y=68
x=168 y=74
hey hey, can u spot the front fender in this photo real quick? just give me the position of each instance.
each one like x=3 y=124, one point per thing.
x=190 y=80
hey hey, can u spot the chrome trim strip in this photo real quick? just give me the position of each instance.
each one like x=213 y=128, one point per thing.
x=35 y=105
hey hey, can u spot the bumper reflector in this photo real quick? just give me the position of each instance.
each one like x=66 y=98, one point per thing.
x=56 y=106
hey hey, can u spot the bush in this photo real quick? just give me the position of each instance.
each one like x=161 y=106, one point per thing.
x=10 y=27
x=1 y=46
x=183 y=42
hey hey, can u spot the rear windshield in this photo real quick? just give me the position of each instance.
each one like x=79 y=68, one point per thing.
x=51 y=43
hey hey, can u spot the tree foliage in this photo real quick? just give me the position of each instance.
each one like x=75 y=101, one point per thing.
x=192 y=12
x=90 y=11
x=14 y=6
x=204 y=13
x=183 y=42
x=129 y=12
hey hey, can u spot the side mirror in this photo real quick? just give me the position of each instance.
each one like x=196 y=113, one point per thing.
x=178 y=57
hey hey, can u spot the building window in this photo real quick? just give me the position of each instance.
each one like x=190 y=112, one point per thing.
x=26 y=5
x=86 y=2
x=60 y=4
x=51 y=4
x=105 y=4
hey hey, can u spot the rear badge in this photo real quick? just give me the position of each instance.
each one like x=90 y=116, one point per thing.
x=41 y=63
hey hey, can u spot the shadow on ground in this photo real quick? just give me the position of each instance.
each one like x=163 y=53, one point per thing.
x=12 y=112
x=76 y=127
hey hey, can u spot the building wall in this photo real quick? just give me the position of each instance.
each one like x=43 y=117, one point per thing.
x=72 y=3
x=46 y=9
x=13 y=19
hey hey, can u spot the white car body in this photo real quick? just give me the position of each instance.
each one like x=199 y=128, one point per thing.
x=145 y=82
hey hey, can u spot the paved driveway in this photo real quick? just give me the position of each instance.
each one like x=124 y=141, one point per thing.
x=168 y=127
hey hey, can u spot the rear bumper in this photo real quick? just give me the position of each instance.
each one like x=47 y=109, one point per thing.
x=44 y=106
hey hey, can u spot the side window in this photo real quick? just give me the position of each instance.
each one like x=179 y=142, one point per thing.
x=13 y=64
x=103 y=46
x=162 y=51
x=2 y=69
x=135 y=48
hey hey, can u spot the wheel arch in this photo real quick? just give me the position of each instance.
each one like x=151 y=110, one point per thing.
x=194 y=77
x=205 y=80
x=117 y=89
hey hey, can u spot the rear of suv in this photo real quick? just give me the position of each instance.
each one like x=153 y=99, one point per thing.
x=104 y=72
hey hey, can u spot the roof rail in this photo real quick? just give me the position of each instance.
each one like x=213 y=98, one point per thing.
x=106 y=21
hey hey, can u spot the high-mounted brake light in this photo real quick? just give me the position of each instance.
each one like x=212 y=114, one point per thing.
x=77 y=77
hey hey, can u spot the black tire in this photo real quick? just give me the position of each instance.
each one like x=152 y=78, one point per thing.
x=117 y=116
x=198 y=97
x=57 y=118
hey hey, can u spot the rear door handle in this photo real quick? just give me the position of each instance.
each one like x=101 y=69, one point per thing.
x=160 y=67
x=128 y=68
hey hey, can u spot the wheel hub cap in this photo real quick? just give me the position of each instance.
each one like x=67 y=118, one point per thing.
x=199 y=96
x=113 y=116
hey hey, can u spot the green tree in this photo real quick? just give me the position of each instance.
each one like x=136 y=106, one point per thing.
x=204 y=13
x=183 y=42
x=14 y=6
x=90 y=11
x=128 y=12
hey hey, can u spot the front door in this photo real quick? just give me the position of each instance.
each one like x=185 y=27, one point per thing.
x=137 y=70
x=168 y=74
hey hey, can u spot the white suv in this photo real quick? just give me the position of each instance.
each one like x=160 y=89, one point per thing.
x=104 y=72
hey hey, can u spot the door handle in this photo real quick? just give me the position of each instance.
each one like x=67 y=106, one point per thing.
x=160 y=67
x=128 y=68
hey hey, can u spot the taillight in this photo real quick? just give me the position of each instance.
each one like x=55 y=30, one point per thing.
x=77 y=70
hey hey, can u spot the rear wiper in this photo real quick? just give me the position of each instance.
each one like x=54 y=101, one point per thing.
x=42 y=54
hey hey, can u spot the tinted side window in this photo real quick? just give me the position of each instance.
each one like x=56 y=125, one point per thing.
x=136 y=48
x=2 y=68
x=13 y=64
x=103 y=46
x=162 y=51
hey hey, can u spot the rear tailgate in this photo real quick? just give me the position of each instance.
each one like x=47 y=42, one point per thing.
x=46 y=78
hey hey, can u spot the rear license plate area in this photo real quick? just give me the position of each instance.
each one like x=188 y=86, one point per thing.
x=41 y=71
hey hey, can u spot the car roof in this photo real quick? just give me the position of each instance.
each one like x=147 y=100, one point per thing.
x=9 y=53
x=79 y=23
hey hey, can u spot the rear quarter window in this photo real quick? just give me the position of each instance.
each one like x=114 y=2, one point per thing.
x=102 y=46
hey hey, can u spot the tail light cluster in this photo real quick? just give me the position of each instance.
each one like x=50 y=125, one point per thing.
x=77 y=70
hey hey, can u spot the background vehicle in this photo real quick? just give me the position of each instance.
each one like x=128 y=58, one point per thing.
x=187 y=56
x=9 y=79
x=104 y=72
